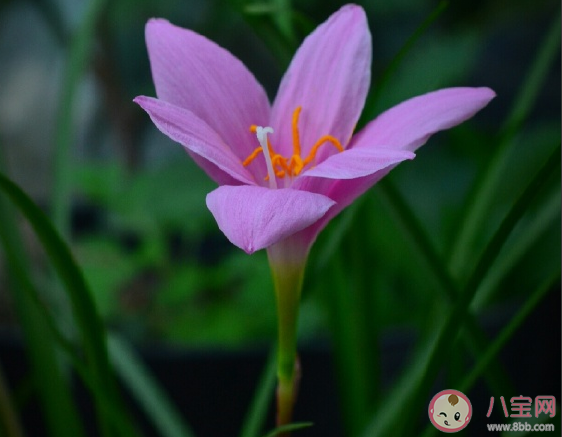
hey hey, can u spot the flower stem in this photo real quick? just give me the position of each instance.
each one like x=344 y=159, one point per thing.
x=287 y=278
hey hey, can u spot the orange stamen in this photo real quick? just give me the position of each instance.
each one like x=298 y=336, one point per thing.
x=296 y=137
x=252 y=156
x=296 y=163
x=282 y=166
x=325 y=139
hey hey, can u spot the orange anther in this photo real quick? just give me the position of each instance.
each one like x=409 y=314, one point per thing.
x=252 y=156
x=296 y=164
x=296 y=137
x=291 y=167
x=325 y=139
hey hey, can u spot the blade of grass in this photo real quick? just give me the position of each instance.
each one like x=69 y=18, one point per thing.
x=50 y=329
x=380 y=423
x=359 y=272
x=87 y=319
x=146 y=391
x=78 y=56
x=484 y=194
x=290 y=427
x=349 y=343
x=280 y=11
x=255 y=418
x=502 y=338
x=458 y=313
x=425 y=375
x=283 y=18
x=61 y=417
x=474 y=337
x=508 y=331
x=548 y=214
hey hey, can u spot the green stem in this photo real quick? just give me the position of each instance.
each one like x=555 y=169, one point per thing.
x=288 y=284
x=287 y=261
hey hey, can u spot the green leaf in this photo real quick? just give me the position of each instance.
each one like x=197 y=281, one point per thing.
x=545 y=217
x=146 y=391
x=414 y=233
x=61 y=417
x=255 y=418
x=425 y=370
x=502 y=338
x=350 y=340
x=485 y=192
x=457 y=315
x=508 y=331
x=372 y=104
x=79 y=53
x=90 y=326
x=287 y=428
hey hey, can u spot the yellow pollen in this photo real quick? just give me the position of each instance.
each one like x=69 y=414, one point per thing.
x=295 y=164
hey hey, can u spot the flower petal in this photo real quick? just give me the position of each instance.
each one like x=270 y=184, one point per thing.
x=343 y=192
x=329 y=78
x=194 y=73
x=254 y=218
x=404 y=127
x=195 y=135
x=410 y=124
x=356 y=163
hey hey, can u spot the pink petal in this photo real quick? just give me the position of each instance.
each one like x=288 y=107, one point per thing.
x=254 y=218
x=410 y=124
x=195 y=135
x=356 y=163
x=343 y=191
x=196 y=74
x=329 y=78
x=404 y=127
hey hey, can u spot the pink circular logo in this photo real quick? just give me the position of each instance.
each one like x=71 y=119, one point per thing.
x=450 y=411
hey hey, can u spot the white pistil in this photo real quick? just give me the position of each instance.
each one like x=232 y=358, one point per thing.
x=261 y=133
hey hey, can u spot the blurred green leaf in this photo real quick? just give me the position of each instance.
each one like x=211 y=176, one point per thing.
x=287 y=428
x=79 y=53
x=502 y=338
x=84 y=309
x=350 y=340
x=257 y=413
x=459 y=311
x=372 y=105
x=106 y=270
x=61 y=416
x=146 y=391
x=485 y=192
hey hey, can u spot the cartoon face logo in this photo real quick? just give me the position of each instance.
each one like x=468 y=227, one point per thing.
x=450 y=411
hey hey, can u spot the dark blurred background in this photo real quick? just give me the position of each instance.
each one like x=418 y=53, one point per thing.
x=164 y=276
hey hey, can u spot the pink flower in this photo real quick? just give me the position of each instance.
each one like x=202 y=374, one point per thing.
x=285 y=170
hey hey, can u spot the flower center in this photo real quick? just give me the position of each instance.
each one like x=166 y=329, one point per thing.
x=280 y=166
